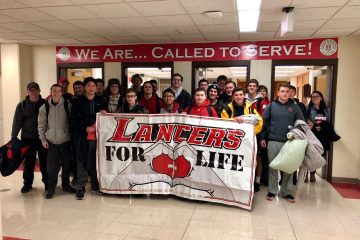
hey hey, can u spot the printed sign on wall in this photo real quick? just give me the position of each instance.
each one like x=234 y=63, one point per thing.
x=225 y=51
x=199 y=158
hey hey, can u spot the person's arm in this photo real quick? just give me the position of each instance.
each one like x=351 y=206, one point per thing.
x=42 y=126
x=17 y=121
x=259 y=124
x=266 y=124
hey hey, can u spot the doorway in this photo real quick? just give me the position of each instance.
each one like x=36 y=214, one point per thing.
x=307 y=76
x=78 y=72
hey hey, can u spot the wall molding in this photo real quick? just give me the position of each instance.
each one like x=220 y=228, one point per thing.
x=345 y=180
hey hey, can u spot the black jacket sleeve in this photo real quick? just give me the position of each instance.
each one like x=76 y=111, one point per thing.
x=17 y=121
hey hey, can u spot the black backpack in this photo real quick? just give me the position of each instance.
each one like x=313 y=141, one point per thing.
x=66 y=106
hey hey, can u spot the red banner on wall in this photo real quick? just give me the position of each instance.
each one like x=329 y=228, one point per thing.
x=225 y=51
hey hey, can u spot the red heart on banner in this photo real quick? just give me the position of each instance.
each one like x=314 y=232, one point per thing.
x=178 y=168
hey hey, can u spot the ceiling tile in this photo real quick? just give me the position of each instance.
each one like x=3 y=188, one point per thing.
x=270 y=16
x=318 y=3
x=45 y=3
x=187 y=38
x=354 y=2
x=342 y=23
x=228 y=18
x=268 y=26
x=112 y=10
x=130 y=22
x=27 y=14
x=66 y=41
x=158 y=8
x=275 y=6
x=56 y=25
x=95 y=25
x=22 y=27
x=145 y=31
x=357 y=33
x=348 y=12
x=4 y=19
x=308 y=25
x=8 y=4
x=296 y=34
x=192 y=6
x=18 y=35
x=95 y=1
x=68 y=12
x=176 y=20
x=38 y=42
x=119 y=40
x=222 y=37
x=228 y=28
x=256 y=36
x=3 y=29
x=46 y=35
x=98 y=40
x=334 y=32
x=180 y=30
x=156 y=39
x=314 y=13
x=78 y=33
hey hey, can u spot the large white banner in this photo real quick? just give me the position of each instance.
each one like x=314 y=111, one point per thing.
x=200 y=158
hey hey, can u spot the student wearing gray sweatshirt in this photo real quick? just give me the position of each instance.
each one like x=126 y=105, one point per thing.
x=277 y=117
x=53 y=127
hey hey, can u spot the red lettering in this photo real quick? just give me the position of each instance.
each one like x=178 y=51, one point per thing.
x=197 y=135
x=120 y=130
x=215 y=138
x=178 y=133
x=143 y=134
x=165 y=132
x=234 y=139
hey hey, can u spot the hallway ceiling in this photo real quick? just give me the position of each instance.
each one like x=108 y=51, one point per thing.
x=87 y=22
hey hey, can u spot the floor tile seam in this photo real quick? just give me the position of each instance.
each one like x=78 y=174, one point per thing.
x=187 y=226
x=338 y=217
x=292 y=227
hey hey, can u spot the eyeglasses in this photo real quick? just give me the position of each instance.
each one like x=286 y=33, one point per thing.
x=130 y=96
x=176 y=79
x=315 y=97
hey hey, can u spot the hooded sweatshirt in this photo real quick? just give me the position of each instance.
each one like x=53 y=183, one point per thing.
x=202 y=110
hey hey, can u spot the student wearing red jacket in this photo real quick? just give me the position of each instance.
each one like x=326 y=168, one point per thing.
x=169 y=105
x=200 y=105
x=150 y=100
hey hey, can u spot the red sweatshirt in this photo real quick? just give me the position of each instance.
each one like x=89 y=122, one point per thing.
x=202 y=110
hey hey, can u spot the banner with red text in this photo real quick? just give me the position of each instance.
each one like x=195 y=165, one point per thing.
x=220 y=51
x=199 y=158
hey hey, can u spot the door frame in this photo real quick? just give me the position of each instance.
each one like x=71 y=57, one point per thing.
x=318 y=62
x=207 y=64
x=124 y=65
x=79 y=65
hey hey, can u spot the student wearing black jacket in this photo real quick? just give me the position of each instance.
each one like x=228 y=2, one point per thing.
x=26 y=120
x=114 y=98
x=82 y=126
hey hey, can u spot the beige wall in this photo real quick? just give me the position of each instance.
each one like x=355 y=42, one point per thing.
x=346 y=161
x=26 y=68
x=184 y=68
x=112 y=70
x=261 y=71
x=44 y=67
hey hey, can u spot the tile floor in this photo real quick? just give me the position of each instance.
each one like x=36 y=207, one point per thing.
x=319 y=213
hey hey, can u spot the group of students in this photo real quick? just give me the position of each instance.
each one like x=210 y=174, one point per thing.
x=61 y=128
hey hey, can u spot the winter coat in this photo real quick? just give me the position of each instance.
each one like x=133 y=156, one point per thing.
x=184 y=100
x=313 y=159
x=54 y=126
x=205 y=109
x=174 y=110
x=231 y=112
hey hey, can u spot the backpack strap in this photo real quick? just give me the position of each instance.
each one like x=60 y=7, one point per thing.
x=228 y=110
x=66 y=106
x=258 y=104
x=209 y=111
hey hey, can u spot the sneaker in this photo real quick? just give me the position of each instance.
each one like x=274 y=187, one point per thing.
x=270 y=196
x=80 y=194
x=49 y=195
x=289 y=198
x=256 y=187
x=68 y=189
x=26 y=189
x=312 y=178
x=97 y=191
x=306 y=177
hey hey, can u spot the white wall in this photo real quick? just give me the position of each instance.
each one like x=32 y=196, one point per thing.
x=44 y=67
x=112 y=70
x=184 y=68
x=346 y=158
x=261 y=71
x=10 y=80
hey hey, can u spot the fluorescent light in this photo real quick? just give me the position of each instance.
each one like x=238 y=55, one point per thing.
x=248 y=20
x=281 y=75
x=284 y=71
x=246 y=5
x=248 y=13
x=290 y=66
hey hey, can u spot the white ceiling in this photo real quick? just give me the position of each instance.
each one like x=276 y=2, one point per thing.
x=81 y=22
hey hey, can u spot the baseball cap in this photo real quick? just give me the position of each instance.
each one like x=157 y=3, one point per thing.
x=33 y=85
x=63 y=80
